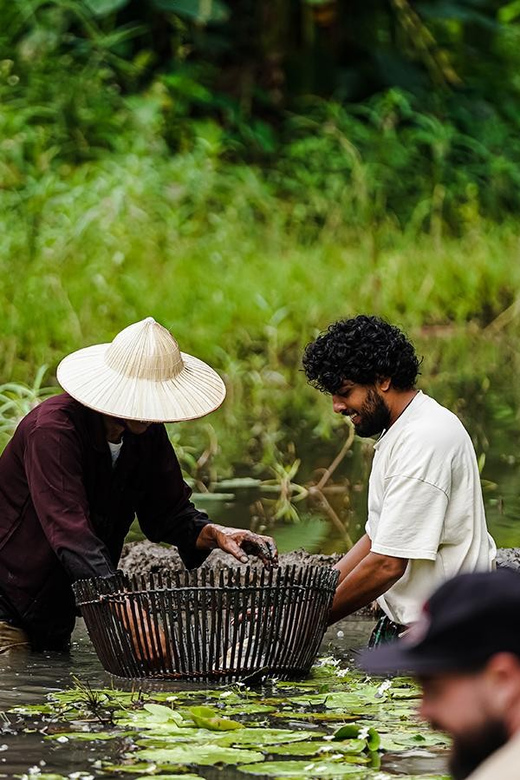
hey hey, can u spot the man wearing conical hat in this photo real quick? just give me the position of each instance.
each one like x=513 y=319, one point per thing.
x=82 y=464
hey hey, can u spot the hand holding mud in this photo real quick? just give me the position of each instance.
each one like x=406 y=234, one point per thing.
x=239 y=543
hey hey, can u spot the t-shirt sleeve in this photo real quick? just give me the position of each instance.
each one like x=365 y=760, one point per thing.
x=411 y=521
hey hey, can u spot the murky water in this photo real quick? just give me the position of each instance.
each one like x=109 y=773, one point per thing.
x=28 y=678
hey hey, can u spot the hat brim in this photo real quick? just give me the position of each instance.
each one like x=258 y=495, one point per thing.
x=393 y=657
x=195 y=392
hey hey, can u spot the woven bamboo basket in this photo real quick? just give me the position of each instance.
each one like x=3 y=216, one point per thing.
x=208 y=626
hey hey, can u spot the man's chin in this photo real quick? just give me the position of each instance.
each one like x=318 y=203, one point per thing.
x=471 y=750
x=366 y=431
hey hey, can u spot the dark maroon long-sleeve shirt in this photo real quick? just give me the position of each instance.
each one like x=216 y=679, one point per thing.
x=65 y=511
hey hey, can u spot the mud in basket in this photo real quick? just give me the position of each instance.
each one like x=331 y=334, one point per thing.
x=206 y=625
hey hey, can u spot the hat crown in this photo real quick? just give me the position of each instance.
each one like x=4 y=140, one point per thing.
x=145 y=350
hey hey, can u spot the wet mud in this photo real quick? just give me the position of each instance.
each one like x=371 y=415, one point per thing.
x=147 y=557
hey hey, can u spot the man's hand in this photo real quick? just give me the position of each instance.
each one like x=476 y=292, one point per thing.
x=239 y=543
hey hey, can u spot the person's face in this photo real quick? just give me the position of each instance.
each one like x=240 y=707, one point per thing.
x=365 y=406
x=462 y=706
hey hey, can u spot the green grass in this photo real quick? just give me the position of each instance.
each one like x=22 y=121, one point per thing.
x=215 y=254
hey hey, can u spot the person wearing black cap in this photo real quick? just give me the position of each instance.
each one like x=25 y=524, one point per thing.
x=426 y=519
x=465 y=652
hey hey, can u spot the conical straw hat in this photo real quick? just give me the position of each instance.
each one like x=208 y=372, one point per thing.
x=142 y=375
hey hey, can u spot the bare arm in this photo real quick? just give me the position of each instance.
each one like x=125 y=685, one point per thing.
x=371 y=577
x=354 y=556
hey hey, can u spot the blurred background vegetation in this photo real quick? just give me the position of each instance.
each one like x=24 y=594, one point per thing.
x=247 y=172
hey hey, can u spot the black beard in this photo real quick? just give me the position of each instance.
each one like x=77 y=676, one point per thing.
x=374 y=414
x=470 y=750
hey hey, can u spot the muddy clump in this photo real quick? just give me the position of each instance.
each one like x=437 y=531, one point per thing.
x=150 y=558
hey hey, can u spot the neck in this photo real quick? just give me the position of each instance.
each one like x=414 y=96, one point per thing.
x=114 y=430
x=513 y=722
x=400 y=402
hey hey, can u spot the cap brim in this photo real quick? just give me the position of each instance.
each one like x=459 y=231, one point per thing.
x=394 y=657
x=195 y=392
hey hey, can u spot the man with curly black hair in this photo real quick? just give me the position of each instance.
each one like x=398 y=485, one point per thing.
x=426 y=518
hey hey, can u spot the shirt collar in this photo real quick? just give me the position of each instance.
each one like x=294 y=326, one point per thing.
x=394 y=430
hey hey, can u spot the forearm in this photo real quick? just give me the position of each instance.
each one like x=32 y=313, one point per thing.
x=353 y=558
x=372 y=577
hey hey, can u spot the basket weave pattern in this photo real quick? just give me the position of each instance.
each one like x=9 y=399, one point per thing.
x=202 y=625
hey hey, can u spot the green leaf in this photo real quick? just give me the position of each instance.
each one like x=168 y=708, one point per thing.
x=207 y=718
x=141 y=767
x=201 y=11
x=205 y=755
x=509 y=12
x=325 y=717
x=85 y=736
x=105 y=7
x=262 y=736
x=47 y=776
x=248 y=709
x=162 y=713
x=307 y=768
x=168 y=777
x=396 y=740
x=318 y=747
x=372 y=739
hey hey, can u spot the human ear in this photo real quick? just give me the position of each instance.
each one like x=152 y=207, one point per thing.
x=502 y=674
x=384 y=384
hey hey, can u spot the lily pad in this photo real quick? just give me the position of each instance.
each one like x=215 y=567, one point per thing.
x=84 y=736
x=142 y=721
x=208 y=718
x=399 y=741
x=249 y=709
x=262 y=736
x=47 y=776
x=318 y=747
x=161 y=712
x=169 y=777
x=204 y=754
x=365 y=734
x=326 y=717
x=332 y=701
x=139 y=768
x=306 y=769
x=196 y=737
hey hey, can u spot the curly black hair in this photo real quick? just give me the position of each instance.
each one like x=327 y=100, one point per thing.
x=361 y=349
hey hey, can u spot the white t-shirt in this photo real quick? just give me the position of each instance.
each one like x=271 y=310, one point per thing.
x=504 y=764
x=115 y=450
x=425 y=504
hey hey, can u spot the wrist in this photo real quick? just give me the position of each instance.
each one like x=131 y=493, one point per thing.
x=207 y=539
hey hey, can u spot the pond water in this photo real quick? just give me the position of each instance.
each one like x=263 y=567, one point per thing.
x=27 y=679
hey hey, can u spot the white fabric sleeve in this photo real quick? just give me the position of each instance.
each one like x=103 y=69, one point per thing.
x=412 y=519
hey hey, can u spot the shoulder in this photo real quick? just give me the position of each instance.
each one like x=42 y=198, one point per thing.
x=60 y=420
x=502 y=764
x=433 y=426
x=57 y=411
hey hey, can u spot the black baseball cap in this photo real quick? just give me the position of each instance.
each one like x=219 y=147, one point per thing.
x=466 y=621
